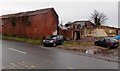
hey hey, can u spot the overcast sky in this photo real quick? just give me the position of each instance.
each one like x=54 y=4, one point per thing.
x=67 y=11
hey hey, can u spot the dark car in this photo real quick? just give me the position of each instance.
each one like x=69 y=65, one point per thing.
x=107 y=42
x=53 y=40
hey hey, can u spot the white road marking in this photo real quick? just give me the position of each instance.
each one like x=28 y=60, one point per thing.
x=17 y=51
x=22 y=52
x=11 y=67
x=24 y=65
x=12 y=64
x=29 y=66
x=70 y=68
x=32 y=66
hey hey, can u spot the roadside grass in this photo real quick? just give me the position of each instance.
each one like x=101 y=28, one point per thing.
x=80 y=46
x=77 y=44
x=22 y=39
x=70 y=44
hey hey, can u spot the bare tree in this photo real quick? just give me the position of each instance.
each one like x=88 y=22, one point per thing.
x=98 y=18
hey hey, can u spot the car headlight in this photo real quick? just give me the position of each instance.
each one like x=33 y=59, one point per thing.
x=51 y=41
x=43 y=40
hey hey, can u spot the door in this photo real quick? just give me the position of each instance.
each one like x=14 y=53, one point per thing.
x=102 y=42
x=76 y=35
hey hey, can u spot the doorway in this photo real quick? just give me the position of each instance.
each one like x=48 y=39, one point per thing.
x=76 y=35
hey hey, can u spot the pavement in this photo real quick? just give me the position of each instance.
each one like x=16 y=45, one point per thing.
x=16 y=55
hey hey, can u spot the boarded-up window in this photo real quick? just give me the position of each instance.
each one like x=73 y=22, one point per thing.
x=26 y=20
x=13 y=21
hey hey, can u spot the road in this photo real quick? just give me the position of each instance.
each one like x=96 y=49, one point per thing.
x=16 y=55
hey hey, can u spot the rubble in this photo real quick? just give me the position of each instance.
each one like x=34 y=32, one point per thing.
x=92 y=51
x=107 y=54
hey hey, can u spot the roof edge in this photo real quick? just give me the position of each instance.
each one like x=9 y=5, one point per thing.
x=26 y=13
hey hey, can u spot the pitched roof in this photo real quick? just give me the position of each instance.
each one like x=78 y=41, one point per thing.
x=28 y=13
x=82 y=22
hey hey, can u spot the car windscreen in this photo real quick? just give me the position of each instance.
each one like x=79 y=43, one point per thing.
x=51 y=37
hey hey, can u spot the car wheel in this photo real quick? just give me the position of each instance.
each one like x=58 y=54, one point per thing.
x=54 y=44
x=108 y=47
x=45 y=45
x=62 y=43
x=96 y=44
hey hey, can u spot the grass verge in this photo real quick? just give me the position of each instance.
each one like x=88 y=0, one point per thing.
x=22 y=39
x=80 y=46
x=77 y=44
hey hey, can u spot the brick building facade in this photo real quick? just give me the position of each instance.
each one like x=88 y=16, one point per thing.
x=33 y=24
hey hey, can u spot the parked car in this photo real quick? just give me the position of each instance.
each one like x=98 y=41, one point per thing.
x=53 y=40
x=107 y=42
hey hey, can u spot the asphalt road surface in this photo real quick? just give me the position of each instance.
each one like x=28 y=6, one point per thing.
x=16 y=55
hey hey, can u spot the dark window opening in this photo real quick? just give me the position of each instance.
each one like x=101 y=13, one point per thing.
x=73 y=26
x=13 y=22
x=26 y=20
x=76 y=35
x=79 y=27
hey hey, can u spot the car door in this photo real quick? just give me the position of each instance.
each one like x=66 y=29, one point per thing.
x=106 y=42
x=60 y=39
x=102 y=42
x=57 y=39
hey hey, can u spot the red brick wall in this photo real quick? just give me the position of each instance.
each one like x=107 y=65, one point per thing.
x=68 y=34
x=0 y=25
x=0 y=29
x=41 y=26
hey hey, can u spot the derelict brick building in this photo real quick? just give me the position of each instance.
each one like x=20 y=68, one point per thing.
x=33 y=24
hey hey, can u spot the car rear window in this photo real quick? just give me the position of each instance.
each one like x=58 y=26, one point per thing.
x=113 y=40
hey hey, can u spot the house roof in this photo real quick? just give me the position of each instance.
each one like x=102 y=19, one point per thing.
x=28 y=13
x=82 y=22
